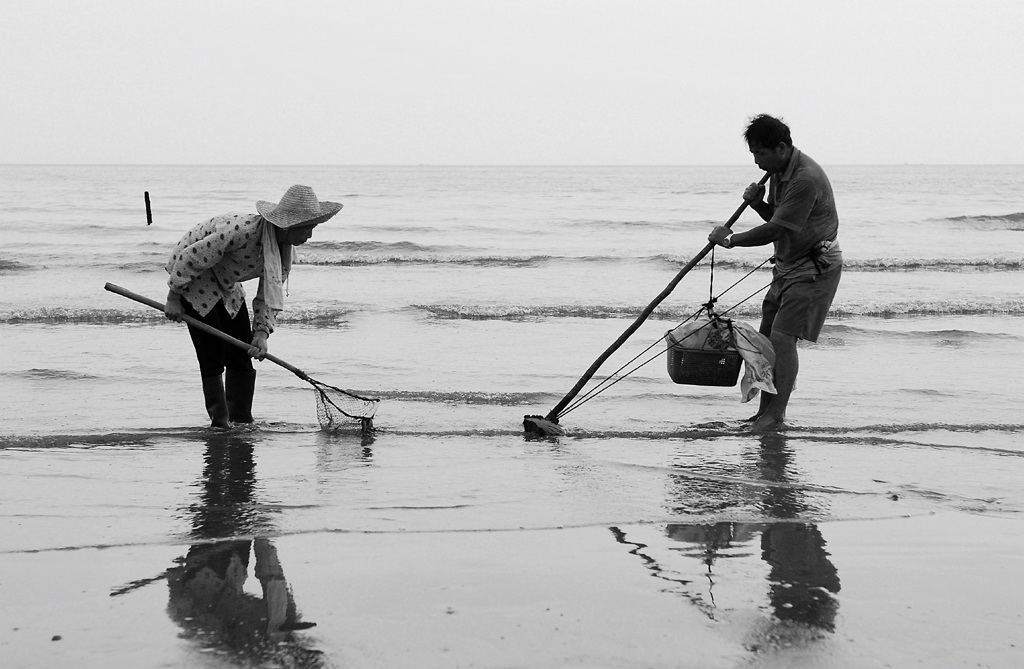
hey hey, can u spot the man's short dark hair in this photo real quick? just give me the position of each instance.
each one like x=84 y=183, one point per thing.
x=767 y=131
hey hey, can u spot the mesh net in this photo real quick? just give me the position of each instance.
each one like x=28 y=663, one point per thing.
x=337 y=408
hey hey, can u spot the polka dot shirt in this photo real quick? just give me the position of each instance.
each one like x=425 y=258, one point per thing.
x=212 y=260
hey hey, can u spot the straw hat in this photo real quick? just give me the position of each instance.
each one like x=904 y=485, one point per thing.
x=299 y=206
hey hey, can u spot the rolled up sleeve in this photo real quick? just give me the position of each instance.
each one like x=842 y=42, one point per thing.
x=263 y=317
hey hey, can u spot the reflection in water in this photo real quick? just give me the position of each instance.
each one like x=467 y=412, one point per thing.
x=774 y=463
x=207 y=594
x=801 y=578
x=338 y=451
x=651 y=564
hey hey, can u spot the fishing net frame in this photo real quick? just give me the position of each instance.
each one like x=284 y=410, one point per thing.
x=337 y=408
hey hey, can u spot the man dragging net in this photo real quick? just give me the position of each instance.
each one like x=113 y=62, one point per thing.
x=802 y=224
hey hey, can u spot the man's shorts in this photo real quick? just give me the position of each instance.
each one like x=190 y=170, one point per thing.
x=798 y=307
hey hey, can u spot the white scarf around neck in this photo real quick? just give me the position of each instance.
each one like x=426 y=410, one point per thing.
x=277 y=264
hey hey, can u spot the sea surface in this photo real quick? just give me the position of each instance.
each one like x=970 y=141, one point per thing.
x=465 y=298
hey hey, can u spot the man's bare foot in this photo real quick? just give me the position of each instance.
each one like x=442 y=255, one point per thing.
x=767 y=423
x=752 y=418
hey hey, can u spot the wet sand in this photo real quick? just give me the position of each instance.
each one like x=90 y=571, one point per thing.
x=935 y=591
x=222 y=551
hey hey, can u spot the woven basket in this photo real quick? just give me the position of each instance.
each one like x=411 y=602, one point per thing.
x=700 y=367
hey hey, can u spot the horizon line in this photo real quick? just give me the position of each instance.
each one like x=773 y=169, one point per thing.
x=575 y=165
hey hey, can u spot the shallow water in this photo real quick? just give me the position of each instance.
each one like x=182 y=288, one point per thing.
x=884 y=527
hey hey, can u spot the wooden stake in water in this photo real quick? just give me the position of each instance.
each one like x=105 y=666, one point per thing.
x=149 y=212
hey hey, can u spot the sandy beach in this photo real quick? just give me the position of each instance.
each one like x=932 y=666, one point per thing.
x=108 y=564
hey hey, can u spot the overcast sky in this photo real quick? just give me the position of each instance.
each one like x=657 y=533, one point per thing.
x=508 y=82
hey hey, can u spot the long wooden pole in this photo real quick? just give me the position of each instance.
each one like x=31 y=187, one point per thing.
x=553 y=414
x=142 y=299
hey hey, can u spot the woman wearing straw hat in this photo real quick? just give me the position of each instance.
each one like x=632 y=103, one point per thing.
x=206 y=271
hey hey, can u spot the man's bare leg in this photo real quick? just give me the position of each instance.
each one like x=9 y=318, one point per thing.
x=787 y=364
x=766 y=399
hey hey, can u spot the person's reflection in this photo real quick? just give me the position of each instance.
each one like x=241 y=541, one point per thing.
x=207 y=594
x=801 y=577
x=774 y=464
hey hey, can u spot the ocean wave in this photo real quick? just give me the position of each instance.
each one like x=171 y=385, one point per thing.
x=369 y=254
x=328 y=260
x=1000 y=263
x=344 y=254
x=748 y=309
x=318 y=317
x=373 y=247
x=893 y=435
x=334 y=317
x=638 y=226
x=142 y=267
x=1014 y=221
x=466 y=397
x=58 y=374
x=1003 y=263
x=518 y=312
x=903 y=428
x=7 y=265
x=839 y=330
x=63 y=315
x=974 y=307
x=882 y=436
x=86 y=440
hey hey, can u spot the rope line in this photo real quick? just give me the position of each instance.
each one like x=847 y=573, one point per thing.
x=617 y=376
x=613 y=378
